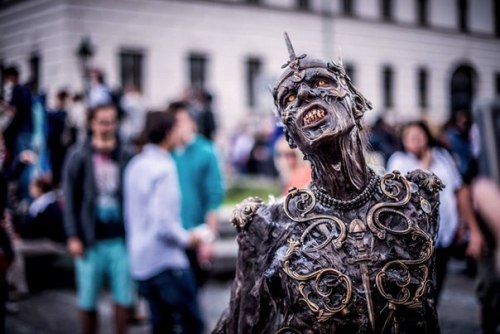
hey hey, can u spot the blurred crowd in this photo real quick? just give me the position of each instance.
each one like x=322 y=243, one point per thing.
x=132 y=194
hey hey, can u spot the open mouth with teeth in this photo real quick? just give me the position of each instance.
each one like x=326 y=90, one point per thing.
x=313 y=116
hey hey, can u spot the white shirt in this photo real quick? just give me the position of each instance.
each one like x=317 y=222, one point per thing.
x=155 y=237
x=445 y=168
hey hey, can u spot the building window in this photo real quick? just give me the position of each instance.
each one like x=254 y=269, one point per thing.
x=423 y=88
x=422 y=14
x=388 y=85
x=348 y=7
x=198 y=70
x=463 y=8
x=497 y=84
x=254 y=67
x=496 y=11
x=34 y=65
x=304 y=4
x=131 y=68
x=386 y=10
x=350 y=71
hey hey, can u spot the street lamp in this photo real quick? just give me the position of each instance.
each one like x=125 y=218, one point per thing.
x=84 y=53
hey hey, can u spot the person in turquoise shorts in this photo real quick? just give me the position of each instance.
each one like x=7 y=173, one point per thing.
x=201 y=187
x=93 y=218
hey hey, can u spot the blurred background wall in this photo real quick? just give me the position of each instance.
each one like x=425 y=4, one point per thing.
x=411 y=58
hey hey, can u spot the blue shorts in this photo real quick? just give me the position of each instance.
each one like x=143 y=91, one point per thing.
x=104 y=262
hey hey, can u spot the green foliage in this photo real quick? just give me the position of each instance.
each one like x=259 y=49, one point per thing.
x=243 y=188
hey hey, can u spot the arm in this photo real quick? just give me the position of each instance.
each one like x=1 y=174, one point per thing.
x=69 y=177
x=213 y=191
x=250 y=309
x=213 y=195
x=477 y=245
x=166 y=212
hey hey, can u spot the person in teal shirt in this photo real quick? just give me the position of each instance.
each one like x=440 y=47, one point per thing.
x=201 y=187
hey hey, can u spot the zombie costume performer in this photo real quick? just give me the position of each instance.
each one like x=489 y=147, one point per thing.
x=353 y=253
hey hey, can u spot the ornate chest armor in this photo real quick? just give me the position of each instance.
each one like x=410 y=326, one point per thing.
x=311 y=265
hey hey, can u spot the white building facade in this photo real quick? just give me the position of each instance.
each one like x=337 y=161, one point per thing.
x=411 y=58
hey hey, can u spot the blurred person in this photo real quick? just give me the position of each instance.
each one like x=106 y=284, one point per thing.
x=93 y=218
x=199 y=103
x=44 y=220
x=78 y=117
x=459 y=139
x=6 y=258
x=260 y=161
x=381 y=138
x=134 y=107
x=421 y=151
x=17 y=134
x=59 y=134
x=294 y=171
x=6 y=250
x=241 y=145
x=486 y=196
x=206 y=117
x=99 y=93
x=155 y=237
x=201 y=187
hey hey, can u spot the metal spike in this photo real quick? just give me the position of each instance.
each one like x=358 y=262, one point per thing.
x=289 y=46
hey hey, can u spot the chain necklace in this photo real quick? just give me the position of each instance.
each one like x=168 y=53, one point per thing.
x=324 y=198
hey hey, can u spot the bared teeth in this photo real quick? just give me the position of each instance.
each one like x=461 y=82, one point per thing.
x=313 y=116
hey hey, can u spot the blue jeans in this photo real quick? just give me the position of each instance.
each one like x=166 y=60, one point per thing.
x=173 y=302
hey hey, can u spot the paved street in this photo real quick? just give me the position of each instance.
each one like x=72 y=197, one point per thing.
x=53 y=311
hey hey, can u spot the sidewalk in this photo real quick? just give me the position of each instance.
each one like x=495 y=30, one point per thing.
x=54 y=312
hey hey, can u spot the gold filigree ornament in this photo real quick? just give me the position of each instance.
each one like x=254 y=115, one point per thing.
x=398 y=189
x=304 y=201
x=329 y=300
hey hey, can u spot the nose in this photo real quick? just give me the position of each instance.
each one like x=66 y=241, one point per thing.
x=304 y=94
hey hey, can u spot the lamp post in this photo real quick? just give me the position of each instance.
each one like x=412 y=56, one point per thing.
x=85 y=52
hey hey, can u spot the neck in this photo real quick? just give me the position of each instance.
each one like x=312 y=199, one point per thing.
x=104 y=143
x=340 y=169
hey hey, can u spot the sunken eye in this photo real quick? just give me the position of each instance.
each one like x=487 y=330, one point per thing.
x=290 y=98
x=320 y=83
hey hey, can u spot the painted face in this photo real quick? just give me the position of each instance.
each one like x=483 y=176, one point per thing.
x=315 y=106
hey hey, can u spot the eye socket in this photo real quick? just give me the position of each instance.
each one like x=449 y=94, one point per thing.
x=291 y=98
x=320 y=83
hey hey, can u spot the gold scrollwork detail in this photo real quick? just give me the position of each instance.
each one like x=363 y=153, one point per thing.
x=304 y=204
x=391 y=186
x=333 y=302
x=408 y=271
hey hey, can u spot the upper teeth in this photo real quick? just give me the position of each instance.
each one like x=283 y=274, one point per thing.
x=313 y=116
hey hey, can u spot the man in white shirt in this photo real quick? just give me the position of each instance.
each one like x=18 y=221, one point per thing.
x=155 y=237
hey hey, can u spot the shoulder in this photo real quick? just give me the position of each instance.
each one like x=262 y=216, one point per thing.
x=245 y=212
x=429 y=184
x=203 y=145
x=252 y=212
x=78 y=152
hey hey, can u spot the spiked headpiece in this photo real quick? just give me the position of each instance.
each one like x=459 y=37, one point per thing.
x=297 y=64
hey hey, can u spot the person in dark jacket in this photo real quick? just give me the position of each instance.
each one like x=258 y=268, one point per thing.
x=93 y=218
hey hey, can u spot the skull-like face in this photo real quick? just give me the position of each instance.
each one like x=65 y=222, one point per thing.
x=317 y=103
